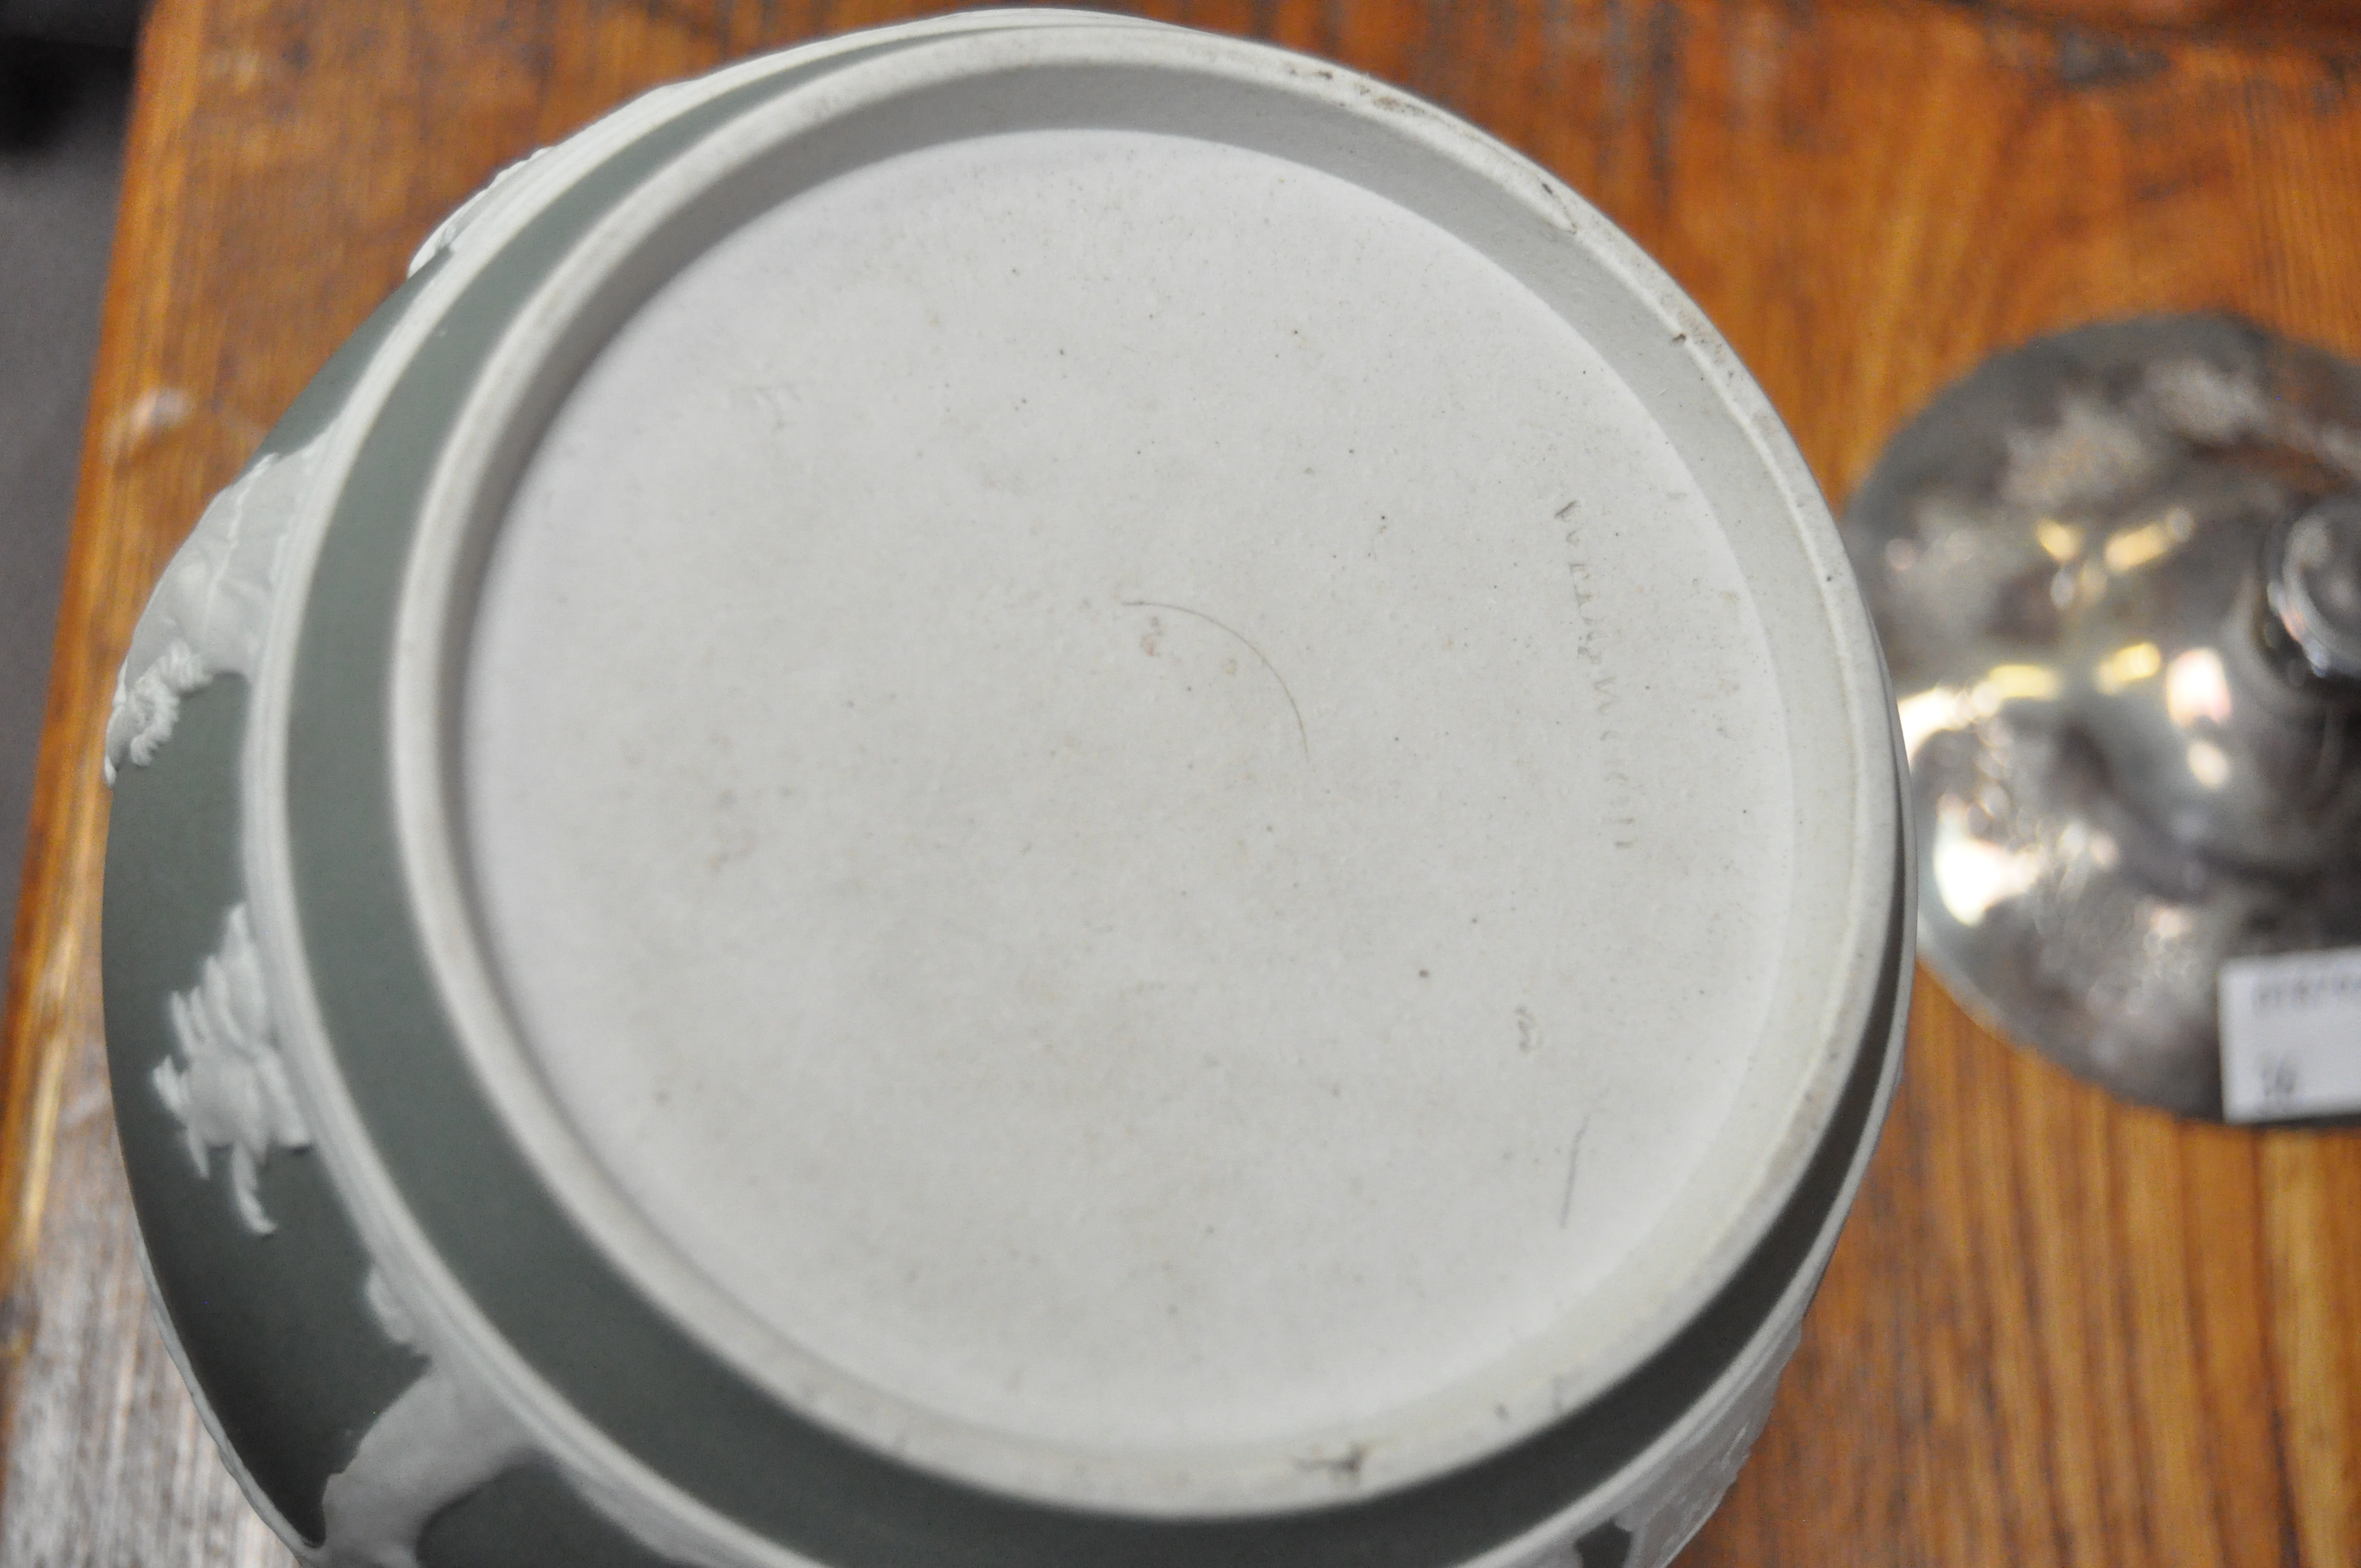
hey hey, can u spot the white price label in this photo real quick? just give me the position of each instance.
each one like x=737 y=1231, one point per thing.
x=2291 y=1036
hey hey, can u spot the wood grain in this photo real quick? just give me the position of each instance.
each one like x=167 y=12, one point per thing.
x=2321 y=19
x=2059 y=1330
x=109 y=1463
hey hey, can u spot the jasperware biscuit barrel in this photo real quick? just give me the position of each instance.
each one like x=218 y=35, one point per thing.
x=1030 y=790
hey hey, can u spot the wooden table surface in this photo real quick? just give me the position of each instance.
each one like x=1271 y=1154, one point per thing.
x=2059 y=1330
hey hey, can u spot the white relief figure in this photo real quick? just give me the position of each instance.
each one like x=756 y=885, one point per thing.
x=439 y=1442
x=228 y=1088
x=209 y=611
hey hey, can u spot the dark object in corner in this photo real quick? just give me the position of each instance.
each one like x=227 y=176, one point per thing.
x=101 y=24
x=39 y=82
x=46 y=50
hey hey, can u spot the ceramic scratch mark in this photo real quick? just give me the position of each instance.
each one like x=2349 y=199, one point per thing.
x=439 y=1442
x=1302 y=733
x=208 y=614
x=1345 y=1468
x=229 y=1088
x=1573 y=1164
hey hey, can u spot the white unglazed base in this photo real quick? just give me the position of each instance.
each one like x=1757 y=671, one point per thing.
x=1111 y=849
x=1146 y=826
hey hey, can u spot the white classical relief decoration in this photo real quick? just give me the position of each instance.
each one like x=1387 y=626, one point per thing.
x=439 y=1442
x=228 y=1086
x=208 y=614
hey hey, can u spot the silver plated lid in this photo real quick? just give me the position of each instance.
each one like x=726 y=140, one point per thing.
x=2114 y=572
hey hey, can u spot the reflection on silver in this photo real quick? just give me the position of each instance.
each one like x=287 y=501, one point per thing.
x=2118 y=577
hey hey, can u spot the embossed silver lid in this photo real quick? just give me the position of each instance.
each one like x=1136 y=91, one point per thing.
x=2113 y=571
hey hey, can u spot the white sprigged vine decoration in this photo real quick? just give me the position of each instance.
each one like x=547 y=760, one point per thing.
x=208 y=615
x=229 y=1087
